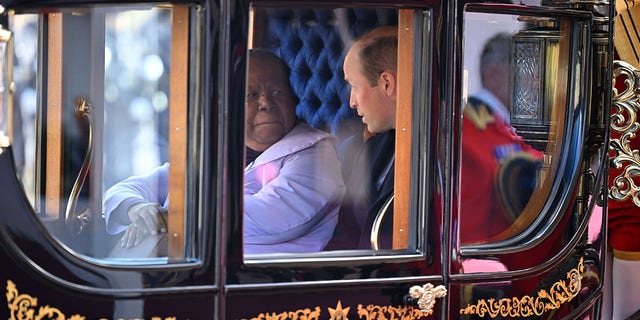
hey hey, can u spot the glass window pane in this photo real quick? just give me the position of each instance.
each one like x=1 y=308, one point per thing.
x=25 y=63
x=512 y=118
x=136 y=120
x=97 y=155
x=324 y=180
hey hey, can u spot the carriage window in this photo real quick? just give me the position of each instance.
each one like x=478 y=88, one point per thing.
x=23 y=103
x=518 y=72
x=99 y=131
x=328 y=130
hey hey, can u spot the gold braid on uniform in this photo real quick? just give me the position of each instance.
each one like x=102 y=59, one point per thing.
x=479 y=115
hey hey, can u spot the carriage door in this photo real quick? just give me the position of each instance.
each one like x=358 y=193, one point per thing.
x=309 y=248
x=108 y=122
x=531 y=178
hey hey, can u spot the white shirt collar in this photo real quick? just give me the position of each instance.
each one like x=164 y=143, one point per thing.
x=497 y=108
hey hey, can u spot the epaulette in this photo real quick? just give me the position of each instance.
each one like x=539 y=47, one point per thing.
x=516 y=180
x=478 y=113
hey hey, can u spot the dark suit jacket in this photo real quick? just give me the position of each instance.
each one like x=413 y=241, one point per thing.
x=368 y=175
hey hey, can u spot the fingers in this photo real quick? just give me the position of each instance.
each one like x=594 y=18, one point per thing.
x=148 y=222
x=129 y=238
x=153 y=219
x=162 y=218
x=147 y=219
x=134 y=235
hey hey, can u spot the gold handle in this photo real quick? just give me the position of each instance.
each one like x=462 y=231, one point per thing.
x=424 y=297
x=377 y=223
x=76 y=223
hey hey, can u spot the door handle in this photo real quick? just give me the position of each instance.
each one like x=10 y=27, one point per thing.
x=424 y=297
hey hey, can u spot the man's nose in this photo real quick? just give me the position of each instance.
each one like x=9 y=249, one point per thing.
x=352 y=102
x=264 y=102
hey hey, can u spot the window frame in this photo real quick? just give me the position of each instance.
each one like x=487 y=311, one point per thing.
x=418 y=25
x=185 y=120
x=559 y=184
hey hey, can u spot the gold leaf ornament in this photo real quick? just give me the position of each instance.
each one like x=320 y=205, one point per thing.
x=427 y=295
x=561 y=292
x=23 y=307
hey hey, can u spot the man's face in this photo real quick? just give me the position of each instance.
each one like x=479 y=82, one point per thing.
x=270 y=107
x=496 y=79
x=374 y=105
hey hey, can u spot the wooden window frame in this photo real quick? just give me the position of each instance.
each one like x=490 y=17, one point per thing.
x=178 y=121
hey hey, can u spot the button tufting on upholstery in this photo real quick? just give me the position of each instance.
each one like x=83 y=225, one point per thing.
x=313 y=47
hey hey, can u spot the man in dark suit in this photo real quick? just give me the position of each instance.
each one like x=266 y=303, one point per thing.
x=370 y=68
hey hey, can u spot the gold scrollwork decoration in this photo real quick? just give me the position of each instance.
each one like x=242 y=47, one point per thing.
x=560 y=292
x=306 y=314
x=369 y=312
x=625 y=108
x=24 y=306
x=372 y=312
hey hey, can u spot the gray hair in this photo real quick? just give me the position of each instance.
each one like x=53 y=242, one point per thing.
x=497 y=49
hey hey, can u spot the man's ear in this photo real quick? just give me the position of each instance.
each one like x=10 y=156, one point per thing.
x=388 y=81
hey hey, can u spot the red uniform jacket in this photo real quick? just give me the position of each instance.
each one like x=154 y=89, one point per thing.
x=488 y=143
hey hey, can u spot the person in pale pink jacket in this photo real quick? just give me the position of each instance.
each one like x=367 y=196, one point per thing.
x=293 y=186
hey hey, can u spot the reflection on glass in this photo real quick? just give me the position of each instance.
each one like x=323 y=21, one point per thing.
x=124 y=76
x=527 y=97
x=136 y=92
x=506 y=122
x=6 y=110
x=25 y=28
x=136 y=137
x=536 y=53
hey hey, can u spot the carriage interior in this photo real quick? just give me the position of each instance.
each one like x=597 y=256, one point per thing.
x=313 y=42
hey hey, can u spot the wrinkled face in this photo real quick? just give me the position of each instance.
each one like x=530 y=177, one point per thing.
x=374 y=104
x=270 y=106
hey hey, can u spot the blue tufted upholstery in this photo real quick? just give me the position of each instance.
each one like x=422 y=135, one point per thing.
x=313 y=43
